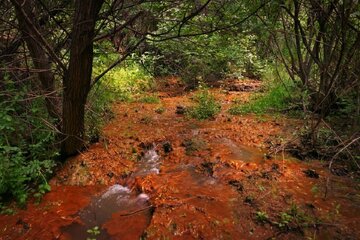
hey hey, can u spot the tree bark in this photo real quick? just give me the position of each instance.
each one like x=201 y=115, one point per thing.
x=78 y=77
x=25 y=16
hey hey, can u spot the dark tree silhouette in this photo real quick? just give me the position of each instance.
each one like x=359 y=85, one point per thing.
x=78 y=78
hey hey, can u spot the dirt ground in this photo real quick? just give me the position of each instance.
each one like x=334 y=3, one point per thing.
x=216 y=179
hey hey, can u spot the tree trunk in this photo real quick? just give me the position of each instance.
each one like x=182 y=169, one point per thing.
x=39 y=57
x=78 y=78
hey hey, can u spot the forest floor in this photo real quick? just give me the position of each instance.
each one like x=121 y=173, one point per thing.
x=156 y=174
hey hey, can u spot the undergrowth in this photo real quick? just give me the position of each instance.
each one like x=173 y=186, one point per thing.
x=122 y=83
x=206 y=105
x=149 y=99
x=27 y=150
x=279 y=96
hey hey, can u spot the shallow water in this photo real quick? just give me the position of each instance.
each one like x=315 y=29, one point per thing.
x=117 y=202
x=149 y=164
x=241 y=152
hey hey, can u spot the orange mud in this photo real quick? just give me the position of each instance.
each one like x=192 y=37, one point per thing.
x=214 y=183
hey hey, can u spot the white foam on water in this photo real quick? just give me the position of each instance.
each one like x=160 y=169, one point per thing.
x=154 y=170
x=143 y=197
x=151 y=156
x=115 y=189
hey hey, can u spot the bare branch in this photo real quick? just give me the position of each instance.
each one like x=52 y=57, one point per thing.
x=39 y=36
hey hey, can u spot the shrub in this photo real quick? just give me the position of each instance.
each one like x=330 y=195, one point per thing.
x=206 y=58
x=279 y=95
x=275 y=99
x=27 y=150
x=149 y=99
x=261 y=217
x=206 y=106
x=122 y=83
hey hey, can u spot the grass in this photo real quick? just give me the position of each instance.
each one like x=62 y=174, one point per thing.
x=261 y=217
x=280 y=93
x=149 y=99
x=193 y=145
x=122 y=83
x=277 y=98
x=206 y=105
x=160 y=110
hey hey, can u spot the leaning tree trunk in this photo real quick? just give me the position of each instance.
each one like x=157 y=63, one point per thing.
x=78 y=78
x=28 y=27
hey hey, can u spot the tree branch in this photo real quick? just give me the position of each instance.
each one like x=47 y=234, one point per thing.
x=39 y=37
x=117 y=62
x=118 y=29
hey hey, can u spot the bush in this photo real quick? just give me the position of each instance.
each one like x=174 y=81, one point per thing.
x=206 y=106
x=279 y=95
x=206 y=58
x=275 y=99
x=27 y=150
x=122 y=83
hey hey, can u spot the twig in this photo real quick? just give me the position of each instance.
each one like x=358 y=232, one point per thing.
x=137 y=211
x=345 y=147
x=326 y=188
x=128 y=52
x=341 y=142
x=120 y=28
x=39 y=37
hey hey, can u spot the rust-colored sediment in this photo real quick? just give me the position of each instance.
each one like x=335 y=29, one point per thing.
x=212 y=189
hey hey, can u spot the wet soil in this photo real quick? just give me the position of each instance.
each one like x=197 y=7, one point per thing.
x=160 y=175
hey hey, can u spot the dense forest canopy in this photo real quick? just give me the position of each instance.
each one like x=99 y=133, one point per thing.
x=56 y=57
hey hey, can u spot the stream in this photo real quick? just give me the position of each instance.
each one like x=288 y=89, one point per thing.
x=118 y=203
x=214 y=180
x=119 y=200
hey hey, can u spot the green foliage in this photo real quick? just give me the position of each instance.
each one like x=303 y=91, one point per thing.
x=93 y=232
x=285 y=219
x=146 y=119
x=206 y=58
x=6 y=210
x=27 y=152
x=320 y=68
x=261 y=188
x=261 y=217
x=298 y=215
x=292 y=218
x=315 y=189
x=206 y=105
x=275 y=99
x=348 y=107
x=160 y=109
x=278 y=96
x=193 y=145
x=122 y=83
x=149 y=99
x=42 y=189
